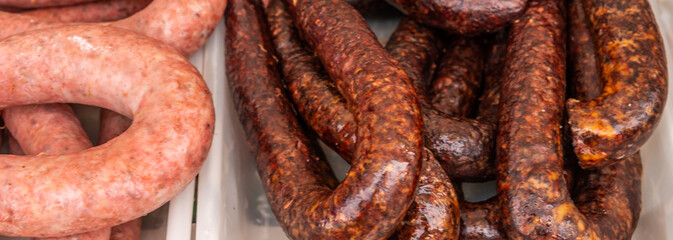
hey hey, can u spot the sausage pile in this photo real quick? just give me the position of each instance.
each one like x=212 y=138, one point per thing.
x=127 y=57
x=551 y=98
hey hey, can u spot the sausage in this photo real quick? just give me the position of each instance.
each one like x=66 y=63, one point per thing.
x=535 y=200
x=435 y=194
x=457 y=82
x=112 y=125
x=481 y=220
x=634 y=76
x=471 y=17
x=583 y=74
x=49 y=129
x=183 y=24
x=373 y=198
x=40 y=3
x=101 y=11
x=46 y=129
x=145 y=175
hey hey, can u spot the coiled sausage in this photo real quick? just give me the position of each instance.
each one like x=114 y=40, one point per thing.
x=174 y=122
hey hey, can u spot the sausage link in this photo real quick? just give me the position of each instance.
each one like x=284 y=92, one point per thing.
x=434 y=213
x=373 y=198
x=583 y=75
x=471 y=17
x=633 y=71
x=46 y=129
x=40 y=3
x=457 y=82
x=145 y=175
x=481 y=220
x=534 y=197
x=182 y=24
x=50 y=129
x=102 y=11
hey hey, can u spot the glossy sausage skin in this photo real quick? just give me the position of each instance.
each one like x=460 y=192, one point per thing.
x=170 y=121
x=102 y=11
x=457 y=82
x=183 y=24
x=534 y=196
x=378 y=190
x=468 y=17
x=430 y=216
x=634 y=76
x=40 y=3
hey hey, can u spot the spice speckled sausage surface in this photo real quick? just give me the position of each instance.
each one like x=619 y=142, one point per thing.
x=434 y=211
x=533 y=191
x=378 y=190
x=173 y=122
x=463 y=17
x=634 y=76
x=457 y=82
x=583 y=74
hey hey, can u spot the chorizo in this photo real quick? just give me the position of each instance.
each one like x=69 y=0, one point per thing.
x=40 y=3
x=378 y=190
x=471 y=17
x=174 y=122
x=534 y=196
x=455 y=88
x=182 y=24
x=634 y=77
x=583 y=75
x=435 y=193
x=102 y=11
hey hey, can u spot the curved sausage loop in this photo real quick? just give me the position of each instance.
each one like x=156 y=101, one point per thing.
x=464 y=17
x=534 y=196
x=134 y=75
x=378 y=190
x=434 y=213
x=633 y=69
x=182 y=24
x=40 y=3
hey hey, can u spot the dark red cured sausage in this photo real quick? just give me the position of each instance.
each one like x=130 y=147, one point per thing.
x=40 y=3
x=535 y=200
x=457 y=82
x=469 y=17
x=481 y=220
x=633 y=71
x=434 y=213
x=102 y=11
x=583 y=74
x=373 y=198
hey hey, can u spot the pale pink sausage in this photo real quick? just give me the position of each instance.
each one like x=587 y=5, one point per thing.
x=133 y=174
x=112 y=125
x=102 y=11
x=182 y=24
x=49 y=129
x=46 y=129
x=40 y=3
